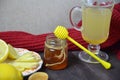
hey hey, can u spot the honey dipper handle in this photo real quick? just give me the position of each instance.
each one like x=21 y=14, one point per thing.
x=106 y=64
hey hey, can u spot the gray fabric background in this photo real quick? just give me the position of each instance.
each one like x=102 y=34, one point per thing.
x=35 y=16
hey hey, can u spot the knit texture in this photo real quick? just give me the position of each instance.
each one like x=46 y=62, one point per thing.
x=36 y=42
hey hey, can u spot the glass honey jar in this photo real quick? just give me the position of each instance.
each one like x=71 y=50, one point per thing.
x=55 y=53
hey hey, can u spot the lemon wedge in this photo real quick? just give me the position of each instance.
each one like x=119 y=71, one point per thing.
x=12 y=52
x=3 y=50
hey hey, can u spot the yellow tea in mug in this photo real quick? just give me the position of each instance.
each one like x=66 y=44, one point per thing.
x=96 y=23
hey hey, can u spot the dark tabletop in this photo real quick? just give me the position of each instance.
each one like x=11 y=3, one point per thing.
x=78 y=70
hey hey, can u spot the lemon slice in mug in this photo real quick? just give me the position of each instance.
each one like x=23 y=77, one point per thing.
x=3 y=50
x=12 y=52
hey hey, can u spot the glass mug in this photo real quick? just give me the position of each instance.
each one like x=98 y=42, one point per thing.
x=55 y=53
x=95 y=16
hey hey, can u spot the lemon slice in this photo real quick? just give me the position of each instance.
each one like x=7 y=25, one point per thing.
x=22 y=66
x=28 y=57
x=12 y=52
x=19 y=68
x=26 y=65
x=38 y=75
x=3 y=50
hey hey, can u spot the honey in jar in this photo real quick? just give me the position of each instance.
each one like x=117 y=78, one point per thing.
x=55 y=53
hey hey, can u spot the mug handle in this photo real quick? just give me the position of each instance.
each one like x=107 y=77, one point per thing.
x=75 y=17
